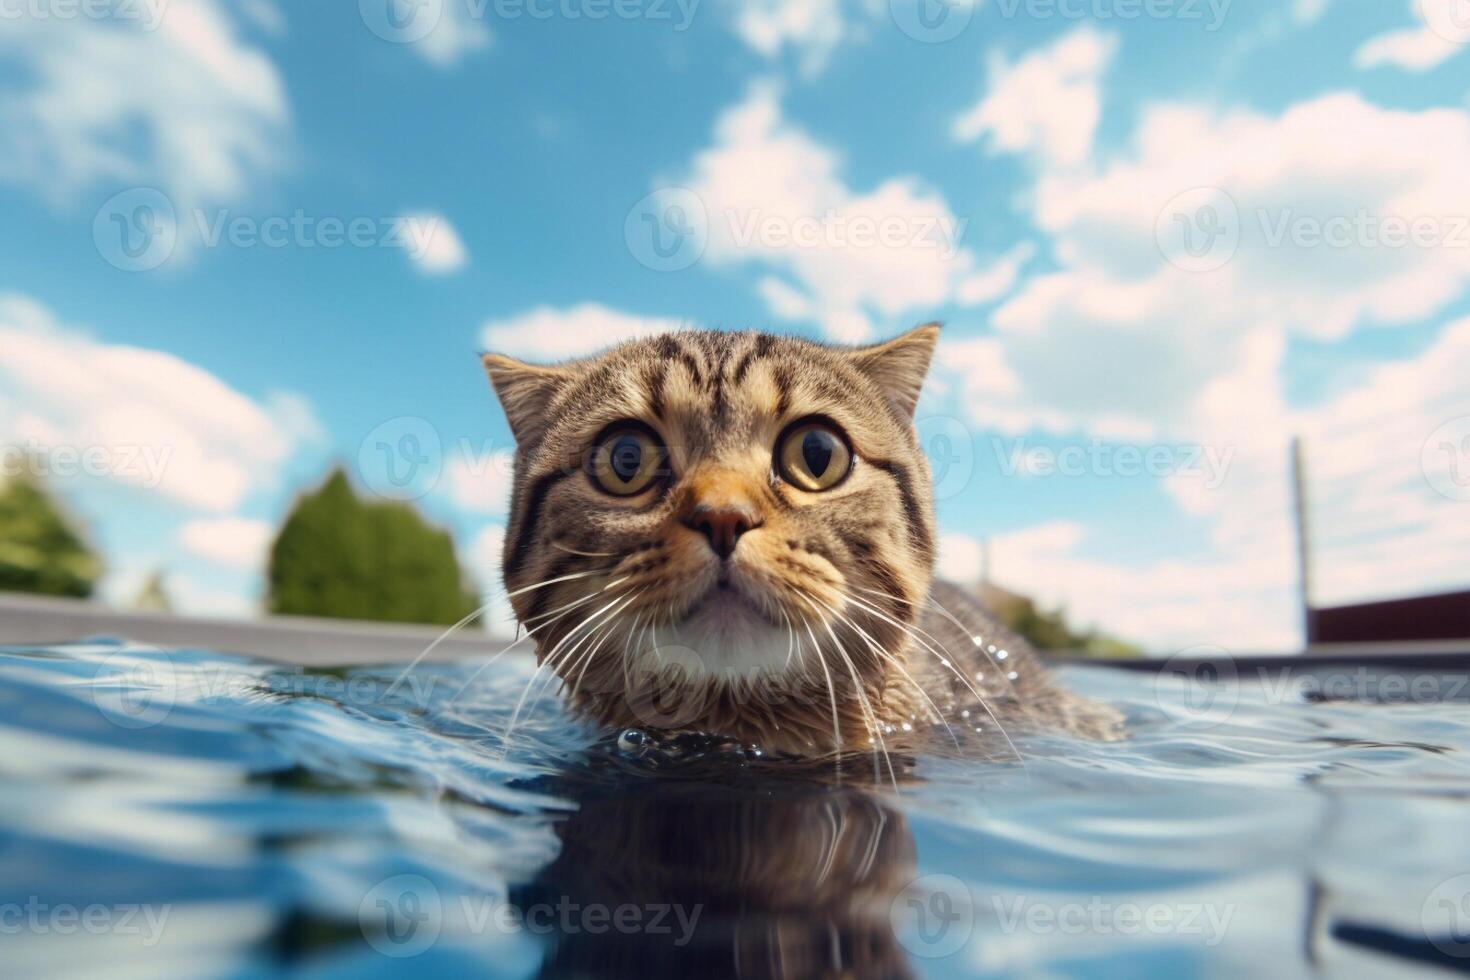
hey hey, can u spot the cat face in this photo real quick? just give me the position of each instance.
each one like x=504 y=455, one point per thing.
x=718 y=508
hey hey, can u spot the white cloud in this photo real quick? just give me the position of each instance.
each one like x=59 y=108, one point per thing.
x=979 y=366
x=1049 y=103
x=549 y=334
x=1308 y=11
x=148 y=418
x=1335 y=165
x=995 y=281
x=484 y=555
x=773 y=195
x=1418 y=48
x=187 y=595
x=188 y=105
x=1167 y=606
x=785 y=300
x=486 y=548
x=813 y=28
x=1379 y=526
x=1121 y=343
x=265 y=15
x=482 y=483
x=433 y=245
x=457 y=33
x=235 y=542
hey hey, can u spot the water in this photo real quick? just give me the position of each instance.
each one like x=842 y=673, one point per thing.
x=190 y=814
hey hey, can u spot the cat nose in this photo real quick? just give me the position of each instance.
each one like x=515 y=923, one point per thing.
x=722 y=525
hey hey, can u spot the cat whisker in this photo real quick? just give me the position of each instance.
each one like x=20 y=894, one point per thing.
x=832 y=691
x=555 y=672
x=560 y=578
x=606 y=629
x=437 y=640
x=836 y=725
x=790 y=638
x=886 y=655
x=951 y=617
x=547 y=661
x=587 y=662
x=515 y=643
x=877 y=728
x=583 y=554
x=945 y=660
x=573 y=604
x=867 y=706
x=795 y=640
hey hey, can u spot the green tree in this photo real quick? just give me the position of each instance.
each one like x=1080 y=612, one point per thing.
x=40 y=551
x=1048 y=629
x=340 y=556
x=153 y=596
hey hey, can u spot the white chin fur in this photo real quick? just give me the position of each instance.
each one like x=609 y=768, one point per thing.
x=722 y=641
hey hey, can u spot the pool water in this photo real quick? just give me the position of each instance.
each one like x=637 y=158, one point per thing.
x=184 y=813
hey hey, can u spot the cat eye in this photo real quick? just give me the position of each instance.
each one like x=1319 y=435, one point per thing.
x=626 y=460
x=813 y=455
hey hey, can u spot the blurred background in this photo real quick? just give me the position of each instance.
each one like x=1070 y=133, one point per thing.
x=1203 y=267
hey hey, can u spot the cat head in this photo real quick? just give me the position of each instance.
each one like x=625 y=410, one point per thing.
x=718 y=509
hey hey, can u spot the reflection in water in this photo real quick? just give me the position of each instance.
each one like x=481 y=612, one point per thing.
x=768 y=880
x=357 y=824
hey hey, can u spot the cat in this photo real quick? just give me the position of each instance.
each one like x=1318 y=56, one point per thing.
x=775 y=879
x=734 y=533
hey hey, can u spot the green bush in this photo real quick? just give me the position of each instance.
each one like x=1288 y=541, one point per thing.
x=1048 y=629
x=340 y=556
x=39 y=550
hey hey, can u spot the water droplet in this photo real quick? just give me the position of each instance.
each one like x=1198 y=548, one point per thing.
x=1013 y=675
x=1002 y=655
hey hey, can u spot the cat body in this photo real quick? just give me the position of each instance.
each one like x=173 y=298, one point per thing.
x=734 y=532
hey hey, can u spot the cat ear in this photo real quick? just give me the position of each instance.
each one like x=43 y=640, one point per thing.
x=899 y=365
x=525 y=392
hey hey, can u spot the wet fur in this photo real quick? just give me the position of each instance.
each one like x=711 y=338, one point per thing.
x=647 y=628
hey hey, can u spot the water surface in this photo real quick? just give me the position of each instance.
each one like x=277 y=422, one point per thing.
x=190 y=814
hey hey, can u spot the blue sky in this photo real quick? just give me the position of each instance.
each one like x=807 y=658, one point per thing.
x=1034 y=165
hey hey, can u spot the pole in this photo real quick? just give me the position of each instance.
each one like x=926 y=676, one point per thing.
x=1302 y=515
